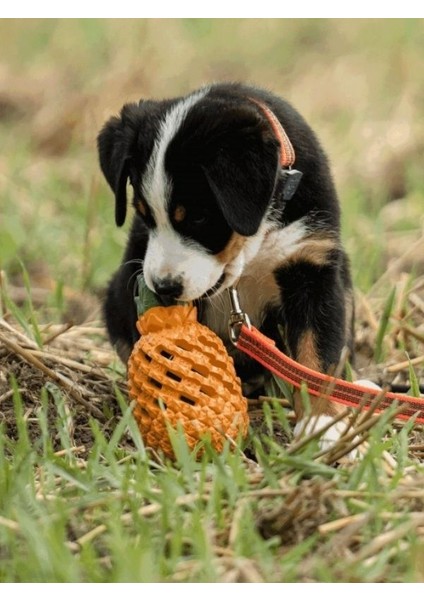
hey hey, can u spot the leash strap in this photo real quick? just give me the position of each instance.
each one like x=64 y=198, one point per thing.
x=262 y=349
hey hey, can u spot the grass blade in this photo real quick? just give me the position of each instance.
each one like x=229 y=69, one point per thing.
x=383 y=326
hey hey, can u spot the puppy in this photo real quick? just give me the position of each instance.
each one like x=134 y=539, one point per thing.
x=213 y=209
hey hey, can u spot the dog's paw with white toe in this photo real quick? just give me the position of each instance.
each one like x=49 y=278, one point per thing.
x=333 y=433
x=329 y=439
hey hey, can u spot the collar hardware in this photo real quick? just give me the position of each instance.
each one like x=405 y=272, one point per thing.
x=291 y=180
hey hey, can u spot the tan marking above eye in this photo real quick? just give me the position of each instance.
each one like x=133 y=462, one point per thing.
x=179 y=213
x=141 y=207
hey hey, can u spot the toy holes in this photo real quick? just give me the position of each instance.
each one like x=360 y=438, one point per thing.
x=188 y=400
x=166 y=354
x=173 y=376
x=155 y=382
x=200 y=370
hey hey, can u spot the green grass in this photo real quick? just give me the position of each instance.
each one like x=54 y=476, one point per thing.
x=118 y=517
x=111 y=512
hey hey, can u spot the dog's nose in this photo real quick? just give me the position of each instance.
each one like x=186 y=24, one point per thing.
x=168 y=288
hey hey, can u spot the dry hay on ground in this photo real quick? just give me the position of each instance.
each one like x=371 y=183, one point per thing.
x=76 y=364
x=79 y=361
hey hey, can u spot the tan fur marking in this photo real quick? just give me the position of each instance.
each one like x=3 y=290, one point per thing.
x=141 y=207
x=179 y=213
x=314 y=251
x=232 y=249
x=307 y=355
x=307 y=351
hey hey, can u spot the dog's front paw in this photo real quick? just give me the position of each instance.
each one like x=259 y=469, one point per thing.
x=337 y=439
x=331 y=437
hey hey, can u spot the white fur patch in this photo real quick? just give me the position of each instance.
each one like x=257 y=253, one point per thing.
x=309 y=425
x=168 y=254
x=367 y=383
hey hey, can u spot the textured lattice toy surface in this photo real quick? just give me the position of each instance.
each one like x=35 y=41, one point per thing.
x=180 y=372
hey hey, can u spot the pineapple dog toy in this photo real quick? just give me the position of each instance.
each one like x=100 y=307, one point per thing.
x=179 y=372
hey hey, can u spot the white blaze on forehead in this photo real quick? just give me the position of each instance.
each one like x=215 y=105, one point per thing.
x=168 y=254
x=156 y=185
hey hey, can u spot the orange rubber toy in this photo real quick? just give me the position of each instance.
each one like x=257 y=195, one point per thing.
x=179 y=372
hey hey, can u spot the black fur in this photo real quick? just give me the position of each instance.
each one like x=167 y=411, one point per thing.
x=223 y=162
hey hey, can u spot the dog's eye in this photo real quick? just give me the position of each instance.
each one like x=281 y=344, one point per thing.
x=198 y=216
x=199 y=221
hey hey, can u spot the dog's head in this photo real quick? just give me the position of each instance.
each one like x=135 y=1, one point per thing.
x=203 y=170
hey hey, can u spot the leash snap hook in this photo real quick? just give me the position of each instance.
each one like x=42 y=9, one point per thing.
x=237 y=316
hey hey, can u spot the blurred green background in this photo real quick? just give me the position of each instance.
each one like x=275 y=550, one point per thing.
x=360 y=84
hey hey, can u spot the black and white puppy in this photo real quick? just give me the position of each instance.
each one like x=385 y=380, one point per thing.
x=210 y=212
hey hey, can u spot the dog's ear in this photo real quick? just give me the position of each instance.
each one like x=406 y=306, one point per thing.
x=242 y=169
x=114 y=143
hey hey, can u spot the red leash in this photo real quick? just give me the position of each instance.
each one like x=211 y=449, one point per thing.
x=259 y=347
x=262 y=349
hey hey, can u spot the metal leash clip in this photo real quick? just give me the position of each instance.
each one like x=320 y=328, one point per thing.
x=237 y=316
